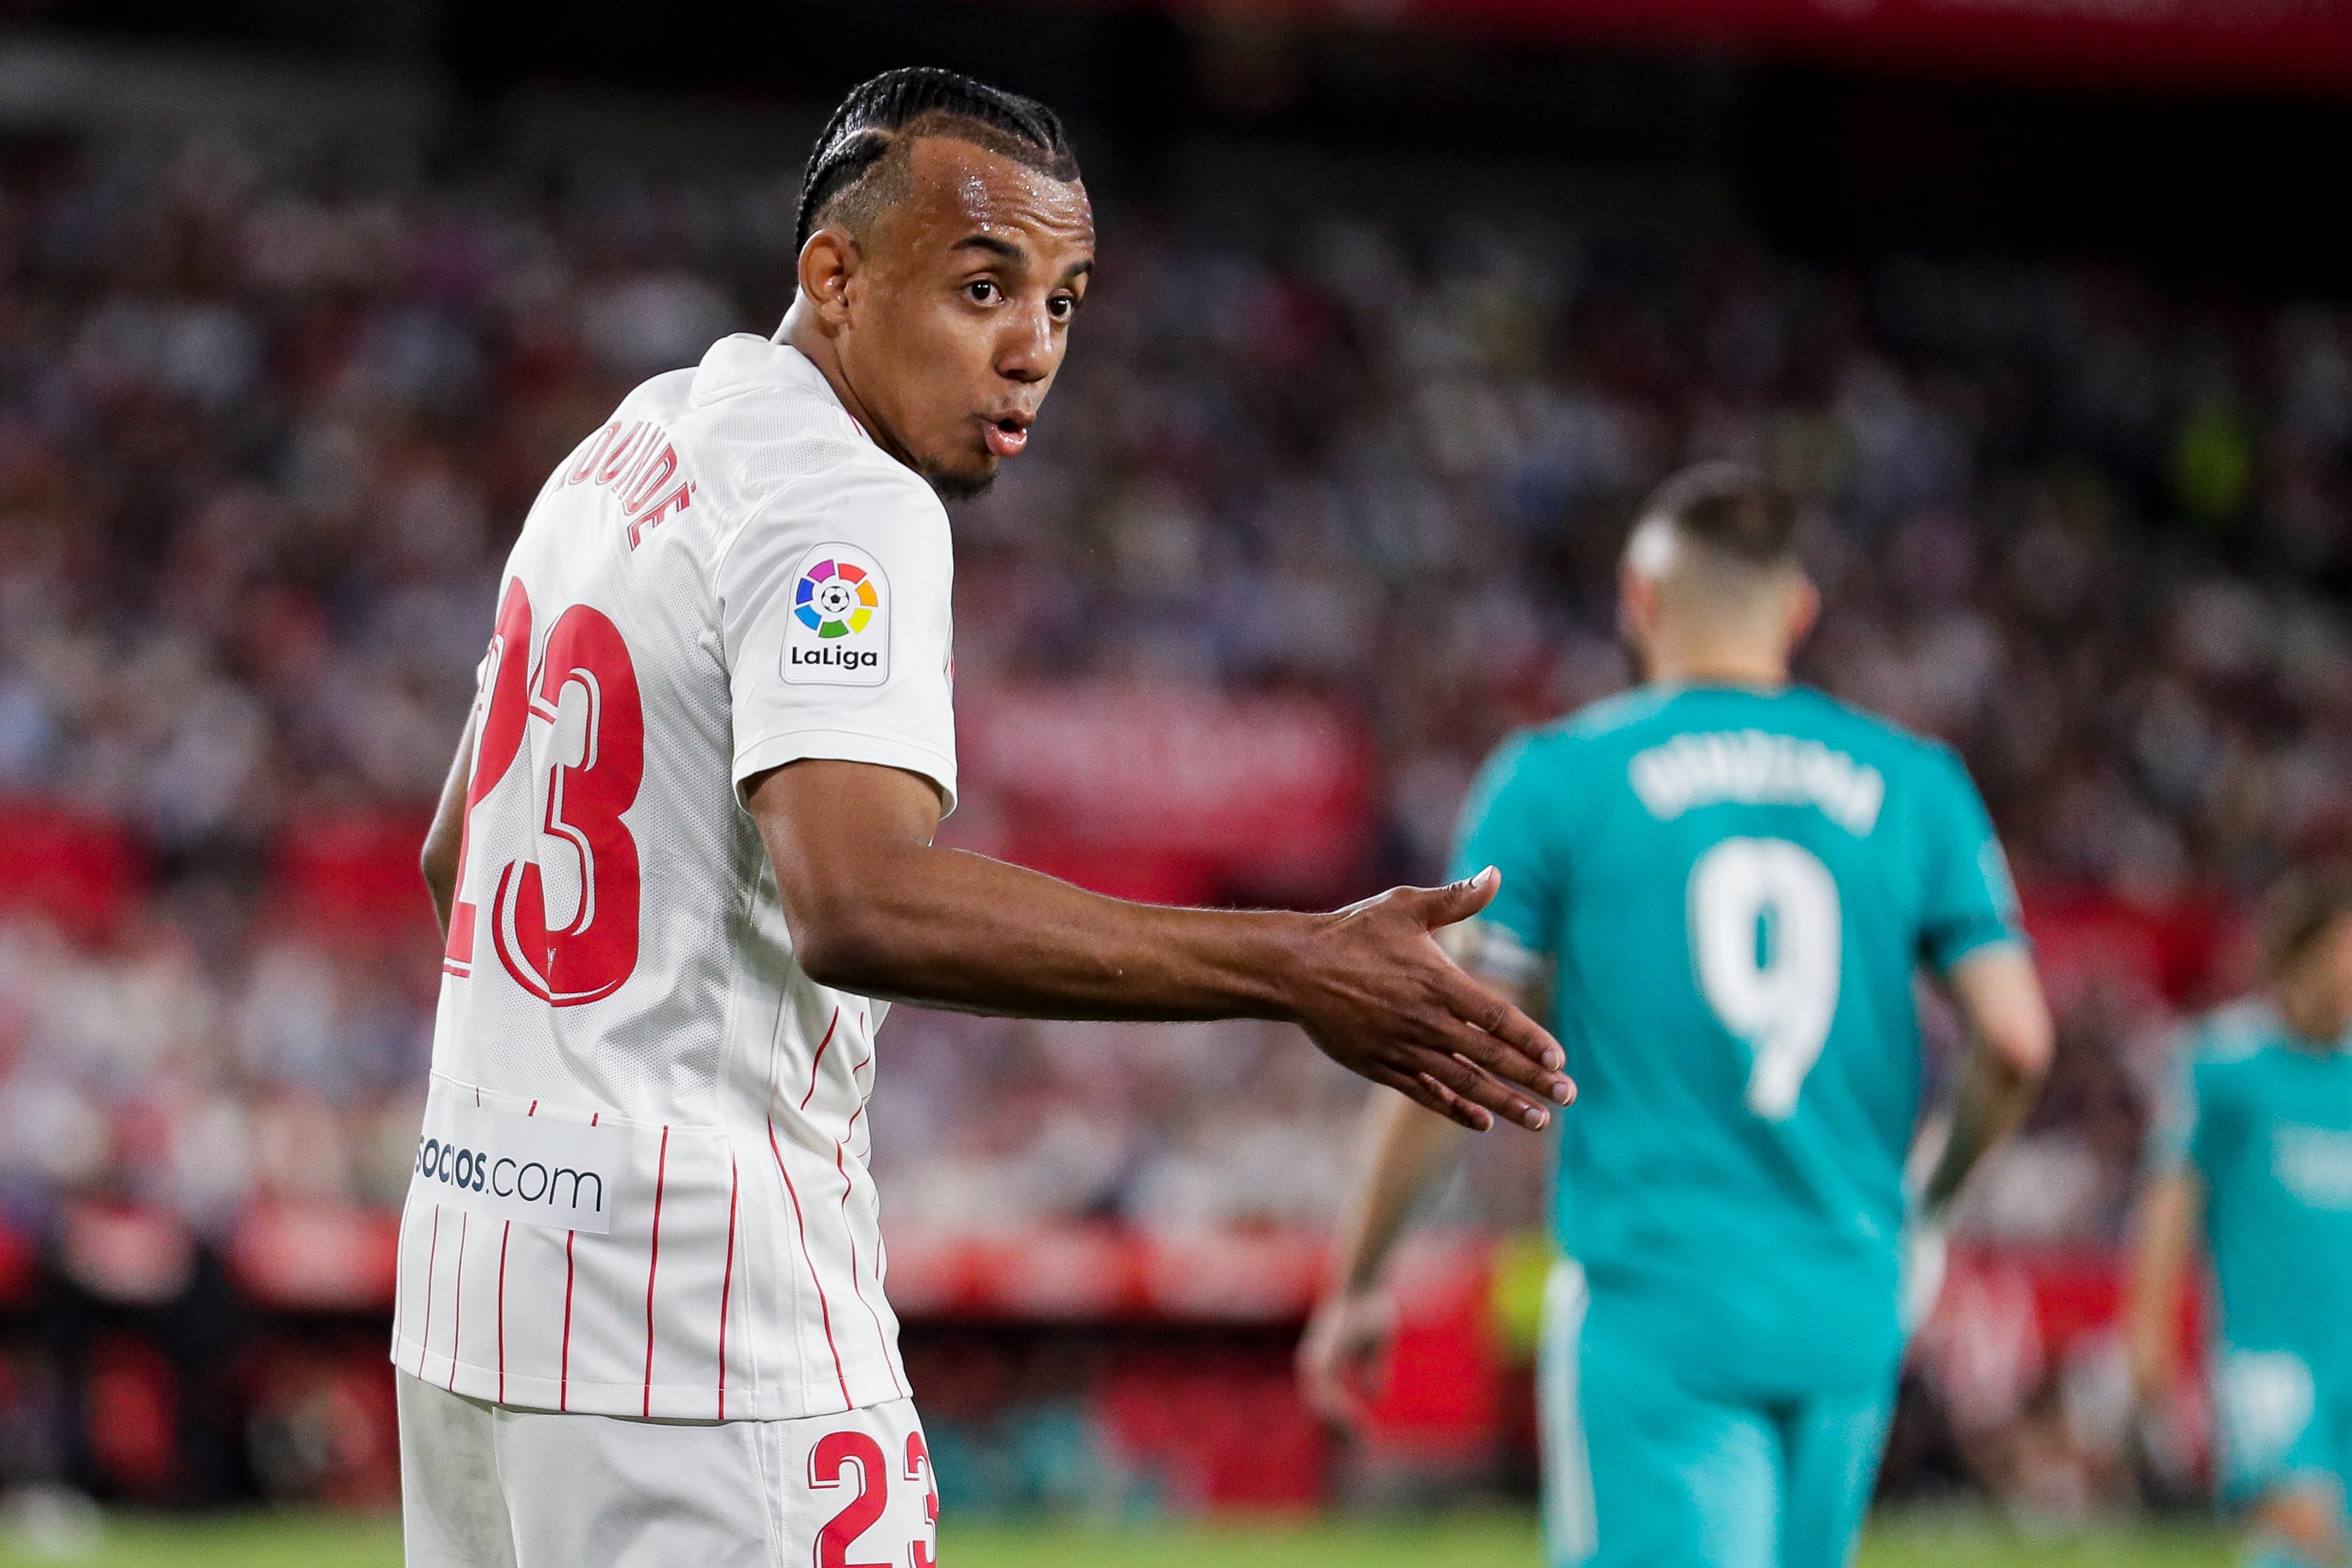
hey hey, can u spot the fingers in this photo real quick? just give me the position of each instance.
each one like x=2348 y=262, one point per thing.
x=1325 y=1379
x=1461 y=1079
x=1456 y=901
x=1450 y=1084
x=1513 y=1046
x=1528 y=1039
x=1397 y=1011
x=1429 y=1094
x=1340 y=1357
x=1506 y=1042
x=1463 y=1106
x=1326 y=1394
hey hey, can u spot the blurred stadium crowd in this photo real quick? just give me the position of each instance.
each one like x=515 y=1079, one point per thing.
x=267 y=421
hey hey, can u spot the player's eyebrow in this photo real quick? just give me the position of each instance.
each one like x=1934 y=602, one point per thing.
x=1005 y=249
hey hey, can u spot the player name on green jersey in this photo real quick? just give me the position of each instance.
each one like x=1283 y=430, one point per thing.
x=1757 y=767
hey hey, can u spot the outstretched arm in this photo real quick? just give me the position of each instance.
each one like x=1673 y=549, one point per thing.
x=2000 y=998
x=875 y=908
x=2163 y=1233
x=1406 y=1152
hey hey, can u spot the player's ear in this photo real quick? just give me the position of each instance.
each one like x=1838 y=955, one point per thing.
x=1804 y=610
x=1637 y=605
x=828 y=261
x=2331 y=956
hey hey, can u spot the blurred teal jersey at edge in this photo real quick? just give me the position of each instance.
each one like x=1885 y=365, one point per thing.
x=1735 y=887
x=2265 y=1122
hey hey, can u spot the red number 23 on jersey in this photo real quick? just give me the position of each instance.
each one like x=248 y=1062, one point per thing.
x=587 y=789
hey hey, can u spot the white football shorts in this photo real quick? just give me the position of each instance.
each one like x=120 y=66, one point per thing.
x=488 y=1486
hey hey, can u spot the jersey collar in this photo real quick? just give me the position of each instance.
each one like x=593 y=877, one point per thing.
x=742 y=363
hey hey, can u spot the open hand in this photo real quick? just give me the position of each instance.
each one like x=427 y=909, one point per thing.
x=1378 y=997
x=1339 y=1355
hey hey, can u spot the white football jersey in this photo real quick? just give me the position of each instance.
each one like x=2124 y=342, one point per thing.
x=658 y=1119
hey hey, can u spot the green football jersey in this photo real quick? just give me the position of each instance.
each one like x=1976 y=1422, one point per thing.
x=1733 y=888
x=2265 y=1123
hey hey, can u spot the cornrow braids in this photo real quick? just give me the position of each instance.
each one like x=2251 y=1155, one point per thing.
x=867 y=125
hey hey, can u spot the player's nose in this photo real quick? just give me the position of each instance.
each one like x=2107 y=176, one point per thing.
x=1028 y=352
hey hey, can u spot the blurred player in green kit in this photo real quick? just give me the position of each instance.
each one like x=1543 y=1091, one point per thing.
x=2254 y=1154
x=1721 y=886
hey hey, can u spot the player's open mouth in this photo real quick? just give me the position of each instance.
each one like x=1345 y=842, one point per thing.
x=1007 y=436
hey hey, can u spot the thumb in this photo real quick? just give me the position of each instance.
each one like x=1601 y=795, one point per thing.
x=1460 y=899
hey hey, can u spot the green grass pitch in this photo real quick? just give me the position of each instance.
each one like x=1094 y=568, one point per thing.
x=1479 y=1541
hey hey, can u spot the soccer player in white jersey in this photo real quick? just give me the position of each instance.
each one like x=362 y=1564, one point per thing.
x=684 y=862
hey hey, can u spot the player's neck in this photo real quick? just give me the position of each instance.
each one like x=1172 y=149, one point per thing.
x=2315 y=1024
x=802 y=330
x=1718 y=667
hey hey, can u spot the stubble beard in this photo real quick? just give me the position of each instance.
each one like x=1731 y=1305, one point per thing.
x=961 y=486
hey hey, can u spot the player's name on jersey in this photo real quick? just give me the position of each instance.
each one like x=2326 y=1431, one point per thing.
x=535 y=1169
x=638 y=464
x=1757 y=767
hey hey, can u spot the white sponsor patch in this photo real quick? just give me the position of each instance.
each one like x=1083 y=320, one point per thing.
x=534 y=1169
x=838 y=633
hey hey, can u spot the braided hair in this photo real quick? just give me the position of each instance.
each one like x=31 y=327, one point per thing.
x=870 y=122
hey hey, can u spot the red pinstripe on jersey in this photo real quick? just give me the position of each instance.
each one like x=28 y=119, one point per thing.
x=841 y=1164
x=432 y=1259
x=457 y=1321
x=800 y=1222
x=818 y=1059
x=504 y=1236
x=400 y=1285
x=727 y=1280
x=653 y=1263
x=563 y=1367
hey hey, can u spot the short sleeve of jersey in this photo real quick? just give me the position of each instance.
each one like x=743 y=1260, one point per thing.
x=1971 y=900
x=836 y=626
x=1509 y=821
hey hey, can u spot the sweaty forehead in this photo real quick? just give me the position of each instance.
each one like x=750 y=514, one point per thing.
x=956 y=188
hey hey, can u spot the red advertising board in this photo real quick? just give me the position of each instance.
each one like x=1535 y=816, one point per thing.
x=1170 y=791
x=2296 y=46
x=2186 y=954
x=81 y=870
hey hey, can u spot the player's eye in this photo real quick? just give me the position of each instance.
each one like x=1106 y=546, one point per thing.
x=983 y=291
x=1061 y=307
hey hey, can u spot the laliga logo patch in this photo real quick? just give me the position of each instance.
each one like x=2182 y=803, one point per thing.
x=834 y=599
x=839 y=633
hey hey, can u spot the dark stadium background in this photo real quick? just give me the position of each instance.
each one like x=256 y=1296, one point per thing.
x=2040 y=307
